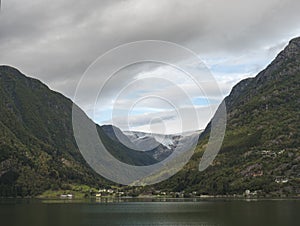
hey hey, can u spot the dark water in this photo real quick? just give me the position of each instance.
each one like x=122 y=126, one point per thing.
x=217 y=212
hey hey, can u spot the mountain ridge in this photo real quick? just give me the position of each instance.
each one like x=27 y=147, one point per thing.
x=261 y=144
x=38 y=151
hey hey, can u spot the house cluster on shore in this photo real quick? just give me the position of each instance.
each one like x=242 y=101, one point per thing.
x=103 y=192
x=66 y=196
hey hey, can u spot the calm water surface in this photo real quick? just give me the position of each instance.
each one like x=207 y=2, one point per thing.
x=87 y=213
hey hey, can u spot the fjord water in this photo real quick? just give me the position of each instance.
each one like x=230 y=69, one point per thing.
x=217 y=212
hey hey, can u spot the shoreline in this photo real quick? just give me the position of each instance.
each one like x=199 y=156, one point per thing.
x=146 y=199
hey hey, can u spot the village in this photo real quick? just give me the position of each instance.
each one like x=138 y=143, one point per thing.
x=104 y=193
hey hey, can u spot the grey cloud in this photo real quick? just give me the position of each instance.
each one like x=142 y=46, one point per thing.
x=61 y=38
x=188 y=119
x=57 y=40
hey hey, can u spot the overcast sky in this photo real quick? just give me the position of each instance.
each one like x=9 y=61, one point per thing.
x=56 y=41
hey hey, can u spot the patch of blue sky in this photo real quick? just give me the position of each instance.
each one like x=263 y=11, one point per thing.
x=101 y=117
x=230 y=69
x=203 y=101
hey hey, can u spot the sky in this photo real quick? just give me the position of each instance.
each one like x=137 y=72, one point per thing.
x=59 y=41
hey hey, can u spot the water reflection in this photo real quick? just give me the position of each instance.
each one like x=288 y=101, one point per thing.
x=130 y=211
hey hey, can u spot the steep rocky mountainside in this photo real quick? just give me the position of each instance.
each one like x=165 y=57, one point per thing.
x=37 y=147
x=261 y=149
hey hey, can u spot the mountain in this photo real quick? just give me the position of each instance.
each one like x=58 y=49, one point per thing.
x=160 y=146
x=147 y=148
x=261 y=148
x=37 y=148
x=38 y=151
x=122 y=148
x=116 y=134
x=144 y=140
